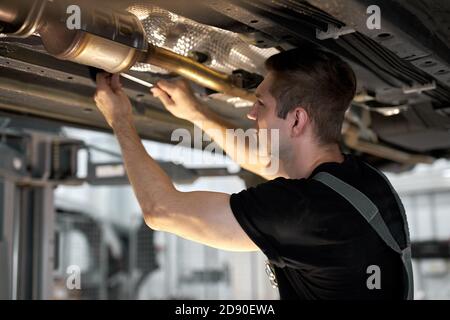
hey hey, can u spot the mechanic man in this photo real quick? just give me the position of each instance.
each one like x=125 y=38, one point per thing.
x=331 y=226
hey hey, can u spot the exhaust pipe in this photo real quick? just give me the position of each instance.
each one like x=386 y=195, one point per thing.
x=109 y=40
x=195 y=71
x=21 y=18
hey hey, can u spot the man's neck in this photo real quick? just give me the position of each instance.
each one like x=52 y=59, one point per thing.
x=310 y=157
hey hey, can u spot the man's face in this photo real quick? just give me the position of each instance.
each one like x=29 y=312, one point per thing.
x=263 y=111
x=264 y=114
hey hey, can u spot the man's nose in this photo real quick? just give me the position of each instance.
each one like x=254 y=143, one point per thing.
x=253 y=113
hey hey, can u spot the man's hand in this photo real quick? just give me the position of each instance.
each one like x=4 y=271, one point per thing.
x=112 y=101
x=178 y=99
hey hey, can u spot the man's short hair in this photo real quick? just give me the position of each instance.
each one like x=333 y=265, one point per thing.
x=317 y=80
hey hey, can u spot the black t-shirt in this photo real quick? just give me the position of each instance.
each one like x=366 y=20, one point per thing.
x=321 y=244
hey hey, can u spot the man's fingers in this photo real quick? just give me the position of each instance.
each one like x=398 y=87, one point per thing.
x=103 y=82
x=115 y=83
x=167 y=86
x=102 y=78
x=163 y=96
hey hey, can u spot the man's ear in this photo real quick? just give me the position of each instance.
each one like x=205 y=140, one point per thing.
x=299 y=119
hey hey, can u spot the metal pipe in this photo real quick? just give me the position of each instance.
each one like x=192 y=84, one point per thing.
x=8 y=12
x=195 y=71
x=21 y=18
x=88 y=49
x=352 y=140
x=106 y=47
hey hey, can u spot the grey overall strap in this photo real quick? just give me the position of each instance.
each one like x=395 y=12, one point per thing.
x=372 y=215
x=406 y=256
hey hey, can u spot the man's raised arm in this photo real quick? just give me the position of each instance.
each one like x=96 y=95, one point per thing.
x=179 y=100
x=204 y=217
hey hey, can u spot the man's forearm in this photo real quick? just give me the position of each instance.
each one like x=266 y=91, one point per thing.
x=237 y=149
x=150 y=183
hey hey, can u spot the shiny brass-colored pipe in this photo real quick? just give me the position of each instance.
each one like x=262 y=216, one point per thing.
x=194 y=71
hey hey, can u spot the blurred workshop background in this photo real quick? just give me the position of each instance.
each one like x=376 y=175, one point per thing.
x=100 y=231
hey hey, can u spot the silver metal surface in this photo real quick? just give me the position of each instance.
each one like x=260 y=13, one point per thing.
x=226 y=50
